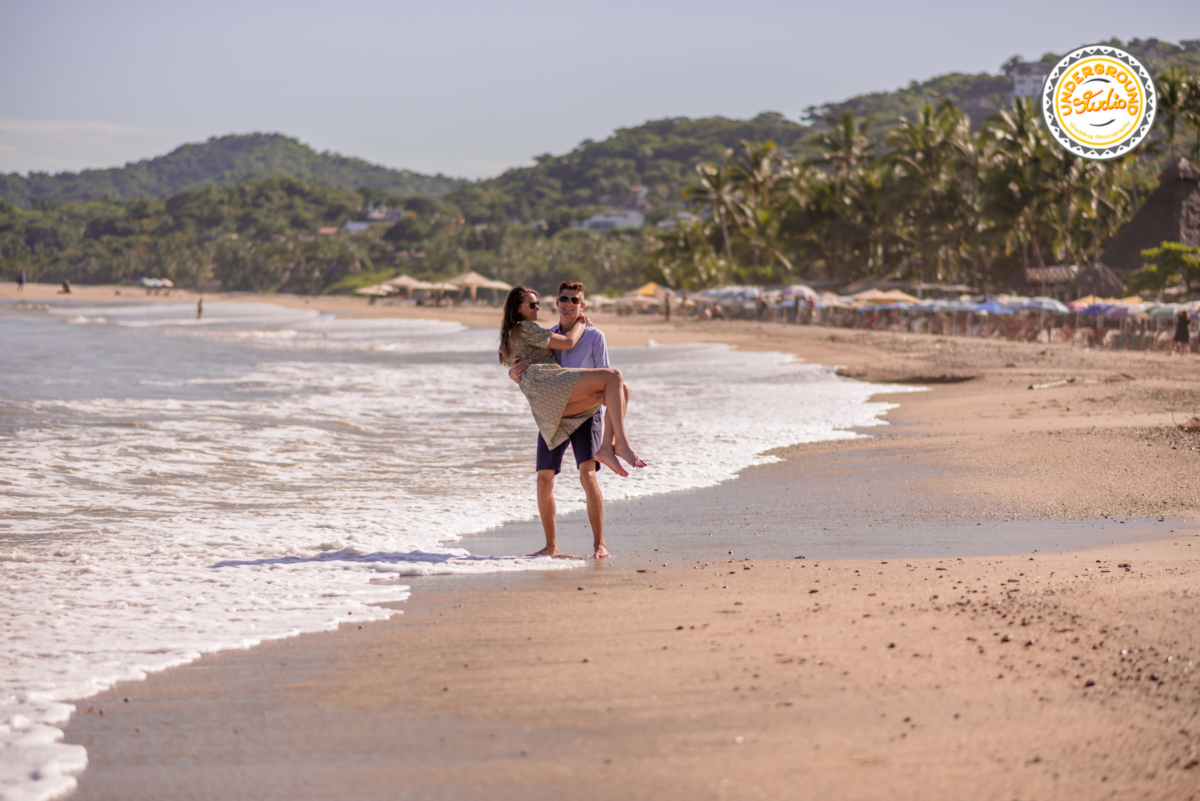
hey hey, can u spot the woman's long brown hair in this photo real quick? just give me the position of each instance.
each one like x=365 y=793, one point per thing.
x=512 y=319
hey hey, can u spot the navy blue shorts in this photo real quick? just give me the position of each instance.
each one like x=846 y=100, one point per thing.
x=585 y=441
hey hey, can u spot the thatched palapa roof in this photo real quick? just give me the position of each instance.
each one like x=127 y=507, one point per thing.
x=1096 y=280
x=1171 y=214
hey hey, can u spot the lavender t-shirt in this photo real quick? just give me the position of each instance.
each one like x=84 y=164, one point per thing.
x=590 y=351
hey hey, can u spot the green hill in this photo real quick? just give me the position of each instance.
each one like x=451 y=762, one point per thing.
x=645 y=167
x=982 y=93
x=221 y=161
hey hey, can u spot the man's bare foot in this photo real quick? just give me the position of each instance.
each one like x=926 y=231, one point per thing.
x=547 y=551
x=628 y=455
x=601 y=553
x=607 y=458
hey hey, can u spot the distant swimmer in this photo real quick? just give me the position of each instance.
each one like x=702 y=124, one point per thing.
x=21 y=281
x=66 y=288
x=199 y=308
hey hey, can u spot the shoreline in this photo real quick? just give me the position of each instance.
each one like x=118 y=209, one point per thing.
x=981 y=447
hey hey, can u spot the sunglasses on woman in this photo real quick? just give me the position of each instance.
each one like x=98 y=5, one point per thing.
x=533 y=304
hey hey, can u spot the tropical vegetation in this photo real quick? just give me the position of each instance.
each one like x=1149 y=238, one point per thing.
x=931 y=195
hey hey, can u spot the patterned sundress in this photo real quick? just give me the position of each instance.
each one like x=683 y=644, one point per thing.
x=547 y=384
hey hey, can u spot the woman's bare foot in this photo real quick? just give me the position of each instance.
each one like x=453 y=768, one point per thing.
x=547 y=551
x=606 y=457
x=601 y=552
x=628 y=455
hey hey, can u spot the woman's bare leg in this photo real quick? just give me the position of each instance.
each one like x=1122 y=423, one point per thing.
x=580 y=406
x=612 y=384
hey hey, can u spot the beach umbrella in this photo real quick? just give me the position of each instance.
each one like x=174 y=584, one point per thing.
x=990 y=307
x=1049 y=305
x=405 y=282
x=469 y=280
x=1041 y=304
x=872 y=296
x=801 y=291
x=898 y=296
x=497 y=287
x=379 y=290
x=1120 y=310
x=1165 y=309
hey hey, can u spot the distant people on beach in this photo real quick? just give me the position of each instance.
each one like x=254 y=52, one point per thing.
x=567 y=400
x=66 y=288
x=1183 y=336
x=199 y=308
x=21 y=281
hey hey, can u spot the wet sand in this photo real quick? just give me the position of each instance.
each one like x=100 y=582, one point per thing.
x=932 y=661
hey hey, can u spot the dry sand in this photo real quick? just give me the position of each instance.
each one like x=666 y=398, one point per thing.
x=1064 y=675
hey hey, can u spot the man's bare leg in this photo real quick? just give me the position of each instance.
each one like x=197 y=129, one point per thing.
x=595 y=507
x=547 y=511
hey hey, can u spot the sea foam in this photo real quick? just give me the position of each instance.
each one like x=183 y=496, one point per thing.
x=174 y=489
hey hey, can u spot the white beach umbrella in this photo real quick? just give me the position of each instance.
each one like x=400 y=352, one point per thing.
x=378 y=290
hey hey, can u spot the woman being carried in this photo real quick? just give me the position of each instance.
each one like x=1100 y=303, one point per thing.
x=562 y=399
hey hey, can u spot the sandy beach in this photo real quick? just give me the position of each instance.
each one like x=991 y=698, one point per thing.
x=1016 y=671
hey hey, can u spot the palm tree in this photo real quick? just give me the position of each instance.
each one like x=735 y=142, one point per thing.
x=924 y=153
x=846 y=148
x=758 y=171
x=1012 y=182
x=1174 y=103
x=717 y=191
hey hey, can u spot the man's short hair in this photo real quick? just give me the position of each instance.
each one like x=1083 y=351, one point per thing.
x=574 y=286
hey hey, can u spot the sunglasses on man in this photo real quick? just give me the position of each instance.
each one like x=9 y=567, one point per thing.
x=571 y=300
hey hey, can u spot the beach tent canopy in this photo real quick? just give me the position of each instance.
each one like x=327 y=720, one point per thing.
x=403 y=282
x=497 y=285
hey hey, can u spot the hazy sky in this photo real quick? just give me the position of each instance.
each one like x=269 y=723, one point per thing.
x=471 y=88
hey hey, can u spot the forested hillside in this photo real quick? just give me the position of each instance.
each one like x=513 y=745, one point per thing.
x=909 y=183
x=222 y=161
x=645 y=167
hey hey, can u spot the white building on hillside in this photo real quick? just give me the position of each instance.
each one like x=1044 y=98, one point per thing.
x=1028 y=78
x=614 y=220
x=677 y=219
